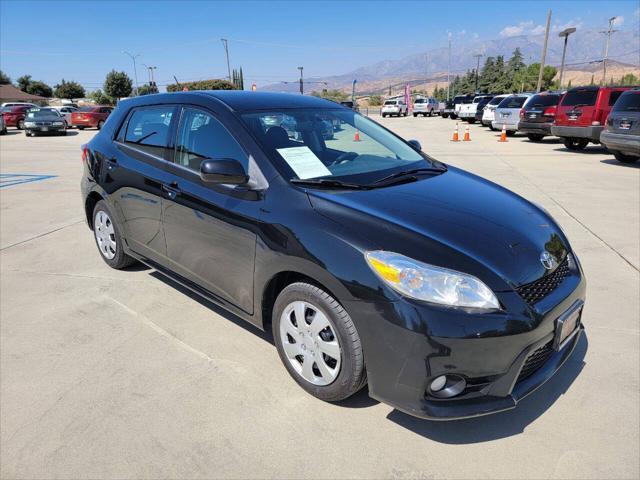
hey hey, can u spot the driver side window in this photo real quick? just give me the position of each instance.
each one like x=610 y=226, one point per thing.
x=201 y=136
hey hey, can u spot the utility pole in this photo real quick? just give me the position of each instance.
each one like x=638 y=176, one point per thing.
x=608 y=32
x=449 y=68
x=353 y=91
x=226 y=52
x=565 y=33
x=426 y=74
x=301 y=81
x=135 y=71
x=478 y=56
x=544 y=52
x=150 y=72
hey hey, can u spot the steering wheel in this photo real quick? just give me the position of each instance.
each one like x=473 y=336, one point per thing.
x=344 y=157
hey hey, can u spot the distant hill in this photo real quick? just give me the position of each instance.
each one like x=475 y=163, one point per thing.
x=584 y=46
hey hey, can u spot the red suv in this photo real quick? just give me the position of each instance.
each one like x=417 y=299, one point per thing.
x=582 y=114
x=14 y=116
x=94 y=116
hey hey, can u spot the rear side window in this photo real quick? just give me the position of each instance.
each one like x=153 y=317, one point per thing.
x=576 y=98
x=543 y=101
x=148 y=129
x=629 y=102
x=512 y=102
x=201 y=136
x=614 y=96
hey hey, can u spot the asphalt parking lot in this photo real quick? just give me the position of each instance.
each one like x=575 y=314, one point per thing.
x=120 y=374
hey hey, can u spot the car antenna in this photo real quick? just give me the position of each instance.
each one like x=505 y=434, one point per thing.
x=177 y=82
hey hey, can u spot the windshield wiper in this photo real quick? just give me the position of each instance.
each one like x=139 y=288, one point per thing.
x=324 y=182
x=407 y=174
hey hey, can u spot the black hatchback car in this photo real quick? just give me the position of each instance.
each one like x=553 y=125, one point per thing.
x=537 y=115
x=371 y=262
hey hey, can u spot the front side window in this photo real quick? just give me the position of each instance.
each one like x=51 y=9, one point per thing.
x=201 y=136
x=317 y=143
x=148 y=128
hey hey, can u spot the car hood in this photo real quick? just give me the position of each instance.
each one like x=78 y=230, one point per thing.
x=481 y=221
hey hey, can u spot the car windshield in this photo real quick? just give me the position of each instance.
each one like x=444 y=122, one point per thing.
x=512 y=102
x=575 y=98
x=390 y=102
x=628 y=102
x=421 y=100
x=546 y=100
x=332 y=144
x=41 y=113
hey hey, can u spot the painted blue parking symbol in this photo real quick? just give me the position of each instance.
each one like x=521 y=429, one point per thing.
x=11 y=179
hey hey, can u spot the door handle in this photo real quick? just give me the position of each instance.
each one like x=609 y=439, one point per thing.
x=171 y=190
x=112 y=163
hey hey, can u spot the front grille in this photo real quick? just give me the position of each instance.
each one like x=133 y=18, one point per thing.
x=535 y=291
x=44 y=124
x=535 y=360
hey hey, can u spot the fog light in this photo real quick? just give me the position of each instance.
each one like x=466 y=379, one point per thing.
x=438 y=384
x=447 y=386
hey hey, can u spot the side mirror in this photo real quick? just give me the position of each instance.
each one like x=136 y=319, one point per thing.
x=224 y=170
x=415 y=144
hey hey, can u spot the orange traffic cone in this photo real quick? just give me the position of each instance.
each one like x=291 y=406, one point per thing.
x=455 y=134
x=503 y=135
x=356 y=137
x=467 y=137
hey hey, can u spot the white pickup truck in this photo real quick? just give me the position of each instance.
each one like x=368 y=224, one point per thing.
x=468 y=110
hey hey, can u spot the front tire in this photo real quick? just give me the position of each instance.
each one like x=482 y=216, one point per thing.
x=445 y=115
x=621 y=157
x=576 y=143
x=318 y=342
x=108 y=238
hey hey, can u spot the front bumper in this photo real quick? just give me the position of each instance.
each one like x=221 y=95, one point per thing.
x=541 y=128
x=591 y=132
x=45 y=129
x=625 y=143
x=467 y=114
x=408 y=344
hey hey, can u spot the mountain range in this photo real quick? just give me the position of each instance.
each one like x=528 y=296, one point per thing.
x=430 y=66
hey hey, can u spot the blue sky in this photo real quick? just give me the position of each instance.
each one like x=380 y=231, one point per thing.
x=82 y=41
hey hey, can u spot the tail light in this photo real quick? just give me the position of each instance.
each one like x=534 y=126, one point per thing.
x=550 y=111
x=85 y=153
x=522 y=113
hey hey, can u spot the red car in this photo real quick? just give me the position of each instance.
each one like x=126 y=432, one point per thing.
x=14 y=116
x=582 y=114
x=87 y=117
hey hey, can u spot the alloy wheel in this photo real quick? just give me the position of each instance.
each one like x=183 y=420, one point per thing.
x=310 y=343
x=105 y=235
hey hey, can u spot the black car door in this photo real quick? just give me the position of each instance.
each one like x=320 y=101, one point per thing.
x=210 y=229
x=137 y=174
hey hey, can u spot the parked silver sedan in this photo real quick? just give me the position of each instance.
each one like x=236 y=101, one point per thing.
x=507 y=114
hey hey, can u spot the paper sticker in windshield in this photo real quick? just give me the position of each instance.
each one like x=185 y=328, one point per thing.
x=304 y=162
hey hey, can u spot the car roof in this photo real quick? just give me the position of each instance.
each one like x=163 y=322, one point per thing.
x=240 y=100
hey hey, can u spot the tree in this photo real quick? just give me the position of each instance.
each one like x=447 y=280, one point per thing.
x=100 y=98
x=334 y=95
x=629 y=79
x=4 y=78
x=147 y=89
x=375 y=100
x=68 y=90
x=23 y=82
x=117 y=84
x=213 y=84
x=39 y=88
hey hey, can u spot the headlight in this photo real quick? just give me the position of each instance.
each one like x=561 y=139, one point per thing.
x=29 y=124
x=58 y=123
x=429 y=283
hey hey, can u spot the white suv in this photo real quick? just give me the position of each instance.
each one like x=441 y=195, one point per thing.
x=425 y=106
x=394 y=107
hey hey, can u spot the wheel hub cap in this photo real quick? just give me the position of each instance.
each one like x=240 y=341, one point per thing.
x=310 y=343
x=105 y=235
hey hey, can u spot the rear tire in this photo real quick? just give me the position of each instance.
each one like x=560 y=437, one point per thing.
x=510 y=133
x=621 y=157
x=445 y=115
x=80 y=128
x=576 y=143
x=20 y=125
x=415 y=115
x=300 y=305
x=535 y=137
x=108 y=238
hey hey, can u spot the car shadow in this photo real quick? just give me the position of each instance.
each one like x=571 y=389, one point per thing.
x=610 y=161
x=548 y=140
x=13 y=132
x=214 y=307
x=359 y=400
x=500 y=425
x=586 y=151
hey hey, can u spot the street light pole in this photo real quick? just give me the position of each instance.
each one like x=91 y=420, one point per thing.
x=608 y=32
x=544 y=52
x=565 y=33
x=135 y=71
x=449 y=68
x=226 y=51
x=478 y=56
x=301 y=81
